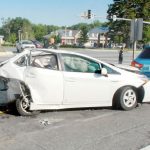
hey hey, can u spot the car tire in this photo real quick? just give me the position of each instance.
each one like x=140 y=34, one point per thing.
x=22 y=106
x=22 y=49
x=18 y=50
x=24 y=101
x=127 y=98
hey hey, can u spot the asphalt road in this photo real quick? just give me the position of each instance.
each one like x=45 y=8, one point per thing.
x=81 y=129
x=110 y=56
x=90 y=129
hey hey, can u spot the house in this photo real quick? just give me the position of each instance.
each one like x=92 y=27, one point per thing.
x=97 y=37
x=1 y=39
x=68 y=37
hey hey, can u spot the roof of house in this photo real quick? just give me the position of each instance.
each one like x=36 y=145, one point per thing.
x=63 y=32
x=73 y=33
x=99 y=30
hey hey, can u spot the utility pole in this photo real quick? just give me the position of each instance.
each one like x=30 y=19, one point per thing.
x=19 y=35
x=136 y=32
x=26 y=33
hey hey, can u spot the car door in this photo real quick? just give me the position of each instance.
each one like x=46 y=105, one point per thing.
x=45 y=83
x=82 y=85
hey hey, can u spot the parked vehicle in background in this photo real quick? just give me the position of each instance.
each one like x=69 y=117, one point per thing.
x=143 y=61
x=23 y=44
x=120 y=45
x=37 y=44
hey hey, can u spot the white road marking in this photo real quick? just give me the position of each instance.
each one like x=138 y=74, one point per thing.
x=146 y=148
x=99 y=116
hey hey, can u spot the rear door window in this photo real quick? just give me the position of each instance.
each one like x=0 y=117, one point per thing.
x=47 y=61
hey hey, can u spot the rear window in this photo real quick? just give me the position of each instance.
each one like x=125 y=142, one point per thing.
x=145 y=53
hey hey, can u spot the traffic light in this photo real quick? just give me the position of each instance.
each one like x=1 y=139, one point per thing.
x=89 y=14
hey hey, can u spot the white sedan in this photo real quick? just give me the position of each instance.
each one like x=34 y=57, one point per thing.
x=23 y=44
x=42 y=79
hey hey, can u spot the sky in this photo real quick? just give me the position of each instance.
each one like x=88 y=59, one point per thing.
x=53 y=12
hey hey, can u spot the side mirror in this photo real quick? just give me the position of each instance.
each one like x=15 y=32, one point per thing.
x=104 y=72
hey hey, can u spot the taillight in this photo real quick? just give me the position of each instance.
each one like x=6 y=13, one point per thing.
x=136 y=64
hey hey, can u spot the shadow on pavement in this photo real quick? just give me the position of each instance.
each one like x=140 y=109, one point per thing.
x=9 y=110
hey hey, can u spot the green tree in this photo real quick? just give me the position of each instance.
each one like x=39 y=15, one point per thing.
x=39 y=31
x=27 y=31
x=128 y=9
x=57 y=39
x=95 y=24
x=51 y=28
x=83 y=34
x=12 y=38
x=12 y=26
x=78 y=26
x=146 y=34
x=6 y=28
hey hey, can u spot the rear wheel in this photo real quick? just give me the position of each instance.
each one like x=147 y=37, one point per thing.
x=127 y=98
x=18 y=50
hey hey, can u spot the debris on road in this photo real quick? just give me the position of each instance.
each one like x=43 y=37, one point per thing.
x=45 y=122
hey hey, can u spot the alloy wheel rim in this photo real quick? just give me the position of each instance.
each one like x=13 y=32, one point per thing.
x=25 y=104
x=129 y=98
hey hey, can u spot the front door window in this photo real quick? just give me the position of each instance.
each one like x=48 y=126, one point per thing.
x=73 y=63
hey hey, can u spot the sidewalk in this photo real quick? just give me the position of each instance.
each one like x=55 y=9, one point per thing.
x=5 y=51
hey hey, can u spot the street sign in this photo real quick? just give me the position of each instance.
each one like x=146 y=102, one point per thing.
x=136 y=29
x=114 y=17
x=132 y=30
x=139 y=29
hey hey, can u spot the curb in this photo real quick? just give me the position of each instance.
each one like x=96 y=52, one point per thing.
x=1 y=113
x=6 y=53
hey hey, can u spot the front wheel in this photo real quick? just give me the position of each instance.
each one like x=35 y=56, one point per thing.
x=127 y=98
x=18 y=50
x=24 y=101
x=23 y=105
